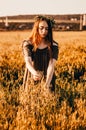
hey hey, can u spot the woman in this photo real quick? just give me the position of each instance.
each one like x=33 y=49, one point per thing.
x=41 y=52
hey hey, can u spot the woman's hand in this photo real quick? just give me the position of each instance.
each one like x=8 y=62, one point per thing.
x=37 y=76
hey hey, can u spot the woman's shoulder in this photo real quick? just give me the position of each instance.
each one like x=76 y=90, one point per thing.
x=55 y=43
x=26 y=43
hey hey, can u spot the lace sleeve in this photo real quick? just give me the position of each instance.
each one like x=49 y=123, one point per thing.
x=26 y=49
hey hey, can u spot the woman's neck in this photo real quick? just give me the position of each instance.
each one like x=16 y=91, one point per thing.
x=43 y=44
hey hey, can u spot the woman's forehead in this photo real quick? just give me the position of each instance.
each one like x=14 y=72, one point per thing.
x=43 y=23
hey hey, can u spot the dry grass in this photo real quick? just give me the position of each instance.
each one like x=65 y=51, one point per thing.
x=36 y=108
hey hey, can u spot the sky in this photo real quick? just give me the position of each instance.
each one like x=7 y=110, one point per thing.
x=21 y=7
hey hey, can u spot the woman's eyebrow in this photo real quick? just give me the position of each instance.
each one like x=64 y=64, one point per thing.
x=43 y=26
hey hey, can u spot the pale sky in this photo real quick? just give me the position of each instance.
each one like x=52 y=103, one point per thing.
x=20 y=7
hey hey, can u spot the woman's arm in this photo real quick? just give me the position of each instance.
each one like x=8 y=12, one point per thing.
x=28 y=60
x=50 y=72
x=50 y=69
x=29 y=65
x=36 y=75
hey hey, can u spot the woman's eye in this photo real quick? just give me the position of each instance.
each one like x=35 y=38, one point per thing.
x=41 y=28
x=46 y=29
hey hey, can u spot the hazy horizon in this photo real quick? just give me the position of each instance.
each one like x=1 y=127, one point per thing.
x=35 y=14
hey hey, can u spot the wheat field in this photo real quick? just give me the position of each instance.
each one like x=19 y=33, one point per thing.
x=35 y=107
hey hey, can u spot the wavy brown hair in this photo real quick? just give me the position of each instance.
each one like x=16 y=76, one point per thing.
x=35 y=37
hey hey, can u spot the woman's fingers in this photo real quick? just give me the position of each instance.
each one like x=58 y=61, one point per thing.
x=37 y=76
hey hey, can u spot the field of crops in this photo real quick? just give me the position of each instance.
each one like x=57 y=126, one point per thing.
x=36 y=108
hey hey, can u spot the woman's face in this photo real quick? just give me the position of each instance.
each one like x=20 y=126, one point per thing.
x=43 y=29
